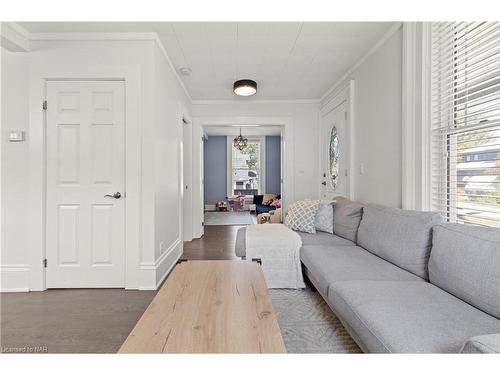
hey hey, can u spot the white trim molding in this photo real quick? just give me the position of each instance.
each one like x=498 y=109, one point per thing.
x=415 y=124
x=145 y=36
x=425 y=147
x=252 y=101
x=39 y=75
x=332 y=90
x=409 y=111
x=14 y=278
x=152 y=274
x=13 y=37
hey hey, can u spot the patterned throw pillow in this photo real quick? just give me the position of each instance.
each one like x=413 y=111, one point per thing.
x=301 y=215
x=324 y=217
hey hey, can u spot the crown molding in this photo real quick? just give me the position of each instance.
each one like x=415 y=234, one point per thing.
x=82 y=37
x=14 y=38
x=61 y=37
x=176 y=73
x=18 y=28
x=259 y=101
x=332 y=90
x=152 y=36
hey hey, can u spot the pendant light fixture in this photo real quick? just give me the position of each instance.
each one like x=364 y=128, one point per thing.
x=240 y=142
x=245 y=87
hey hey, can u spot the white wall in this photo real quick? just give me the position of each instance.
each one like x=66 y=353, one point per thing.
x=169 y=99
x=14 y=260
x=159 y=94
x=378 y=124
x=305 y=135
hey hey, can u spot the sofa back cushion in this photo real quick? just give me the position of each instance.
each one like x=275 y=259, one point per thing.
x=465 y=261
x=401 y=237
x=267 y=199
x=346 y=217
x=257 y=199
x=324 y=217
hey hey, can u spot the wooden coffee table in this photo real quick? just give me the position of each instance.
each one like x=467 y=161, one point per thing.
x=209 y=307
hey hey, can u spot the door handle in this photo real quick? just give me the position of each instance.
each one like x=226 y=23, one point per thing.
x=323 y=183
x=116 y=195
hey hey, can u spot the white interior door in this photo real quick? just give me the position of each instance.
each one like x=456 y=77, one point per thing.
x=85 y=168
x=335 y=115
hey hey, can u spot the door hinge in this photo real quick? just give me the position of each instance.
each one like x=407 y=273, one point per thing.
x=45 y=263
x=44 y=105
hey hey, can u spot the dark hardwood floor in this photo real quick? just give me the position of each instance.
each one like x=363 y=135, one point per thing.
x=216 y=244
x=91 y=320
x=70 y=320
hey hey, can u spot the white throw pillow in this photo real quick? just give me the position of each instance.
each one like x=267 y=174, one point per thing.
x=301 y=215
x=324 y=217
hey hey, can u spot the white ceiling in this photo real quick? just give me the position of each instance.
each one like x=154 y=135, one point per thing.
x=289 y=60
x=247 y=131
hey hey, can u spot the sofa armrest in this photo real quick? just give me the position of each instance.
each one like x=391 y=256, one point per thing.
x=276 y=216
x=482 y=344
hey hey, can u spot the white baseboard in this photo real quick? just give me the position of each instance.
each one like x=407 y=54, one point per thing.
x=14 y=278
x=210 y=207
x=152 y=274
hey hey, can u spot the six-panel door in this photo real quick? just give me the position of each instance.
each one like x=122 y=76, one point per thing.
x=85 y=162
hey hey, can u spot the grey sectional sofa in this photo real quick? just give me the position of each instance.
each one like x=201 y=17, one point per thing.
x=406 y=282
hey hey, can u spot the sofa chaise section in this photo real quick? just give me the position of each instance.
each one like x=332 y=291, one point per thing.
x=407 y=316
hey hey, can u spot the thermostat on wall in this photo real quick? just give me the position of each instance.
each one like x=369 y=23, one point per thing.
x=16 y=136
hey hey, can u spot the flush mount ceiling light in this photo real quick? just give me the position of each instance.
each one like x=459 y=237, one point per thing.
x=240 y=142
x=245 y=87
x=185 y=71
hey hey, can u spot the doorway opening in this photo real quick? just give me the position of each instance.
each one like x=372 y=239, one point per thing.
x=242 y=173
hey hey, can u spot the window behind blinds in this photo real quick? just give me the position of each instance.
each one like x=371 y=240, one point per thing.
x=465 y=114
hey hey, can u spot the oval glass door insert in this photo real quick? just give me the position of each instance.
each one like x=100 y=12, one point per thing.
x=334 y=157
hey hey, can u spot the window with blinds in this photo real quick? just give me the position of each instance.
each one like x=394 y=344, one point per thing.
x=465 y=112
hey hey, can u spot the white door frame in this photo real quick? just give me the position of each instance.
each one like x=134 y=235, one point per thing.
x=186 y=195
x=343 y=93
x=39 y=75
x=286 y=124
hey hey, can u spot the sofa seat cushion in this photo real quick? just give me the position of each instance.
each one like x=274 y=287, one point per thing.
x=407 y=316
x=323 y=239
x=329 y=264
x=465 y=261
x=399 y=236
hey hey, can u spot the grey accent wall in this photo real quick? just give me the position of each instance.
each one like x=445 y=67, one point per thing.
x=215 y=169
x=273 y=164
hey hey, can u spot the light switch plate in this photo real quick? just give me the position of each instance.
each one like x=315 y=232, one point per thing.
x=16 y=136
x=362 y=168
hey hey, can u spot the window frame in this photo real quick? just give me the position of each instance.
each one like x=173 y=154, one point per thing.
x=229 y=168
x=443 y=172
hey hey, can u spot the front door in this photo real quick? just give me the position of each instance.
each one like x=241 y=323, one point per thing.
x=335 y=116
x=85 y=184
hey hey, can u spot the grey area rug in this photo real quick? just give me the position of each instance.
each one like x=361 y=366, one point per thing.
x=229 y=218
x=308 y=325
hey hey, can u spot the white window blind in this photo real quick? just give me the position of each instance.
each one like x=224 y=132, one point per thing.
x=465 y=112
